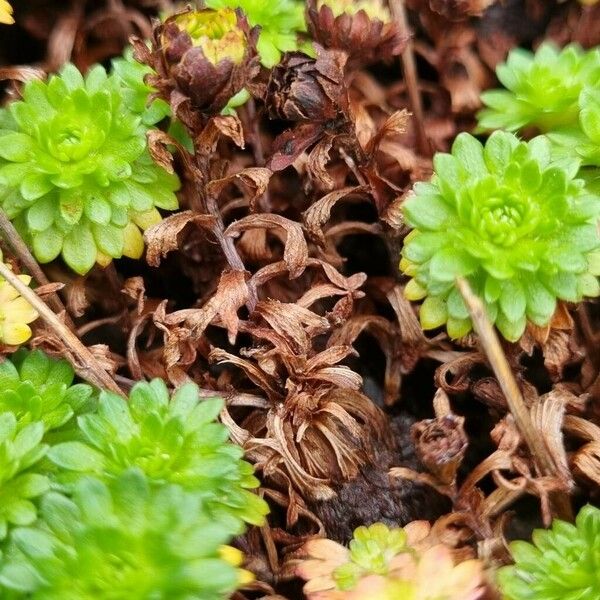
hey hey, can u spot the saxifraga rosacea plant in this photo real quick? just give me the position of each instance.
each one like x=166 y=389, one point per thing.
x=560 y=564
x=521 y=229
x=124 y=539
x=173 y=440
x=75 y=173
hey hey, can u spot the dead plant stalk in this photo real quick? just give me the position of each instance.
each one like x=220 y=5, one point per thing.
x=512 y=393
x=86 y=365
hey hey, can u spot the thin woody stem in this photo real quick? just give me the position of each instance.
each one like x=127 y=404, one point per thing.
x=410 y=76
x=86 y=365
x=512 y=393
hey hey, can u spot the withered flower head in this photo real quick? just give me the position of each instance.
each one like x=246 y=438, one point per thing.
x=362 y=28
x=302 y=88
x=202 y=59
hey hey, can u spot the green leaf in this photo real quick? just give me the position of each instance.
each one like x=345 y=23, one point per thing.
x=513 y=301
x=469 y=151
x=16 y=147
x=512 y=330
x=76 y=456
x=41 y=215
x=433 y=313
x=448 y=264
x=34 y=186
x=109 y=239
x=47 y=244
x=79 y=249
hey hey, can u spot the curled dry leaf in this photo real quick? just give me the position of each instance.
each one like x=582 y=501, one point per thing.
x=162 y=238
x=319 y=212
x=256 y=179
x=295 y=253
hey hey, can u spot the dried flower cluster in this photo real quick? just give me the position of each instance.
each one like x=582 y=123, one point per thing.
x=201 y=59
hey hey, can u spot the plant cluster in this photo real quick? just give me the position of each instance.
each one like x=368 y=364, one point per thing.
x=560 y=564
x=136 y=498
x=557 y=92
x=387 y=563
x=542 y=88
x=75 y=173
x=171 y=441
x=519 y=227
x=124 y=539
x=37 y=401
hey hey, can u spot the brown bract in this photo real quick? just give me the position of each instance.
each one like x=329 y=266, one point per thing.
x=302 y=88
x=189 y=80
x=312 y=93
x=363 y=38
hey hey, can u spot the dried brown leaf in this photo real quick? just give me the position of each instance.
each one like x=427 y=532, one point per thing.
x=295 y=253
x=162 y=238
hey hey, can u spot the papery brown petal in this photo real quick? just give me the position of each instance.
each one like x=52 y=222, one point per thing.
x=293 y=322
x=232 y=293
x=231 y=127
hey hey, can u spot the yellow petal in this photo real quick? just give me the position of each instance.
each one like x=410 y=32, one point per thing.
x=19 y=311
x=133 y=242
x=245 y=577
x=146 y=219
x=7 y=293
x=14 y=334
x=6 y=13
x=232 y=555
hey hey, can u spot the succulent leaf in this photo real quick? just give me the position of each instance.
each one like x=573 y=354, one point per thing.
x=520 y=228
x=172 y=441
x=75 y=172
x=561 y=563
x=126 y=539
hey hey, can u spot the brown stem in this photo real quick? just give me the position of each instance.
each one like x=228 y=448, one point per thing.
x=257 y=147
x=86 y=365
x=410 y=76
x=27 y=259
x=229 y=250
x=512 y=393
